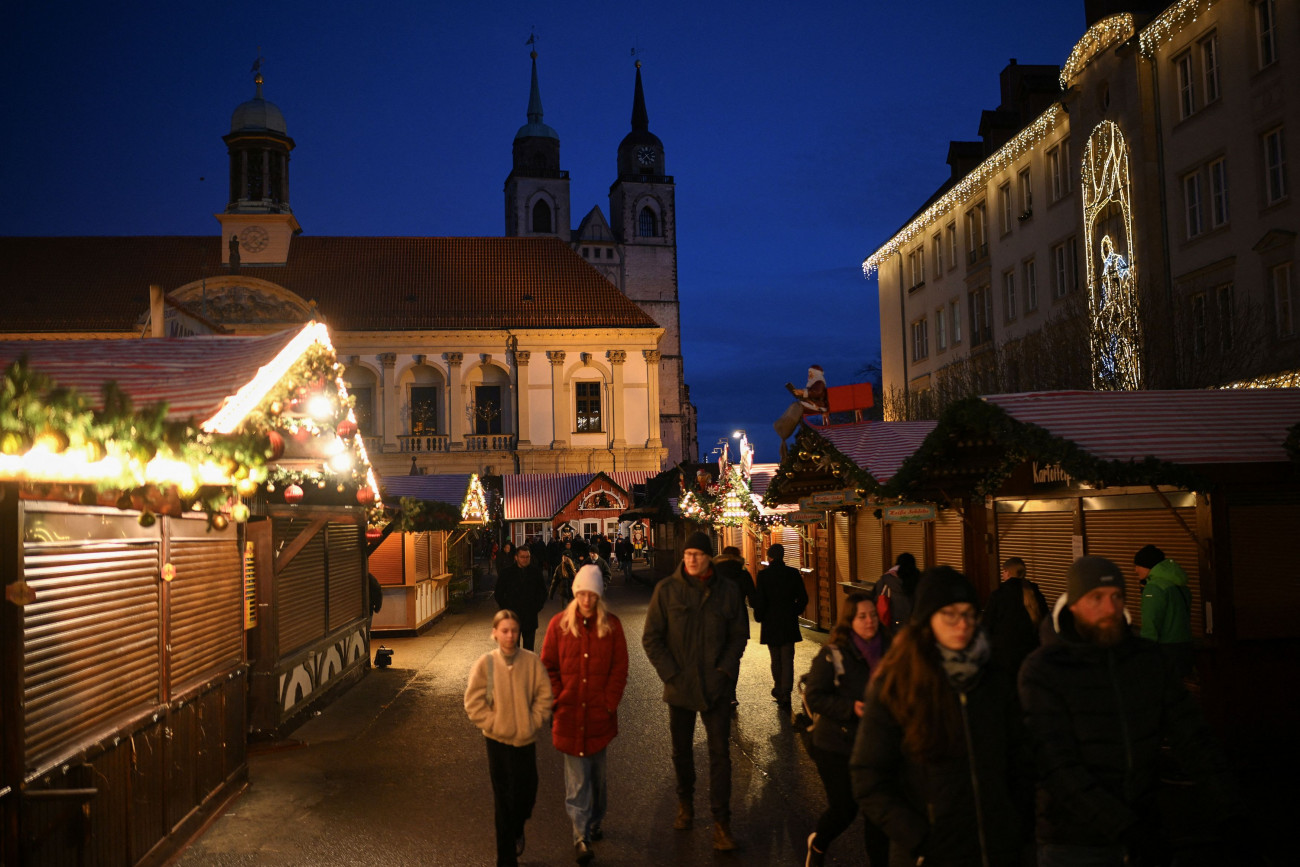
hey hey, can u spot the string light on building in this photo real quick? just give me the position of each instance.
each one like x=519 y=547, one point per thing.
x=1099 y=37
x=1169 y=23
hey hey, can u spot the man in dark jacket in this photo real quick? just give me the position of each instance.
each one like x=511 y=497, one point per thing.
x=730 y=565
x=1097 y=703
x=779 y=599
x=520 y=588
x=695 y=633
x=1012 y=616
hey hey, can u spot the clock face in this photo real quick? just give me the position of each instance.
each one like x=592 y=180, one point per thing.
x=253 y=238
x=645 y=155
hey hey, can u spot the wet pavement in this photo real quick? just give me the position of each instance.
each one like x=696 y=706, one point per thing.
x=393 y=773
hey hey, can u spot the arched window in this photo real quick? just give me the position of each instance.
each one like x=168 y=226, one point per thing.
x=541 y=216
x=647 y=224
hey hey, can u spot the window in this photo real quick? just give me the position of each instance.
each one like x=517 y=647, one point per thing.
x=1218 y=172
x=364 y=407
x=1274 y=166
x=1009 y=294
x=1280 y=279
x=1058 y=171
x=1265 y=30
x=586 y=252
x=981 y=316
x=1026 y=194
x=487 y=409
x=954 y=313
x=1210 y=67
x=532 y=530
x=938 y=256
x=1004 y=196
x=977 y=233
x=940 y=329
x=916 y=267
x=1064 y=268
x=920 y=340
x=424 y=409
x=952 y=245
x=609 y=253
x=648 y=224
x=1031 y=286
x=1192 y=203
x=1227 y=316
x=1186 y=85
x=588 y=400
x=541 y=216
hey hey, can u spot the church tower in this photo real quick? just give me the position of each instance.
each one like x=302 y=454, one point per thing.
x=258 y=221
x=537 y=189
x=644 y=222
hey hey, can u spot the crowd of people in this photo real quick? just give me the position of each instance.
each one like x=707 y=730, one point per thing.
x=1025 y=733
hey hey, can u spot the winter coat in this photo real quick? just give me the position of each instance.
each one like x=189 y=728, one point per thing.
x=837 y=724
x=1097 y=715
x=588 y=674
x=890 y=593
x=1011 y=631
x=695 y=633
x=929 y=807
x=1167 y=605
x=733 y=569
x=623 y=550
x=519 y=701
x=523 y=592
x=779 y=599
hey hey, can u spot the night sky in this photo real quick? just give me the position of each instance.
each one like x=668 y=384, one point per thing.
x=800 y=137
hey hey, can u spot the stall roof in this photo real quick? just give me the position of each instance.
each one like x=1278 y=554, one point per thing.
x=1229 y=426
x=879 y=447
x=540 y=496
x=449 y=488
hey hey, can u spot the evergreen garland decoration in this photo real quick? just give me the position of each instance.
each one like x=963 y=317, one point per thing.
x=812 y=451
x=701 y=505
x=421 y=516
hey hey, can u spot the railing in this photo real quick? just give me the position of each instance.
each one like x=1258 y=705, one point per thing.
x=374 y=445
x=423 y=443
x=489 y=442
x=980 y=252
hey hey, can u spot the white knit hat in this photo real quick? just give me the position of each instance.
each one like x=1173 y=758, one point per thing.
x=589 y=578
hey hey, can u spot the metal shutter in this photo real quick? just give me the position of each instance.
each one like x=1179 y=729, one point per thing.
x=840 y=525
x=949 y=540
x=386 y=562
x=437 y=547
x=90 y=639
x=1265 y=588
x=870 y=541
x=422 y=556
x=205 y=631
x=909 y=538
x=299 y=588
x=346 y=584
x=1042 y=540
x=793 y=544
x=1118 y=534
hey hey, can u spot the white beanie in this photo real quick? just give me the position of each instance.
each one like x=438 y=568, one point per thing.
x=589 y=578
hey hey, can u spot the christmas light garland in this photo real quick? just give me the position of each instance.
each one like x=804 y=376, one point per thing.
x=728 y=504
x=1170 y=23
x=1099 y=37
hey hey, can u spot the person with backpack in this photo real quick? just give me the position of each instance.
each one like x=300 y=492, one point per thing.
x=509 y=698
x=895 y=591
x=779 y=599
x=833 y=694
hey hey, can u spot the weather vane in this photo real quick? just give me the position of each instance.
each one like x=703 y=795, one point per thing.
x=257 y=64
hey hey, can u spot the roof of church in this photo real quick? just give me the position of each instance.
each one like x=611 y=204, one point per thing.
x=358 y=283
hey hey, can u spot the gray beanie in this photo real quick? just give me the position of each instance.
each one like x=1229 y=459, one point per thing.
x=700 y=542
x=1087 y=574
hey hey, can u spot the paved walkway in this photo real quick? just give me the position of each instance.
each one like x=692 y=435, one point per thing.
x=392 y=773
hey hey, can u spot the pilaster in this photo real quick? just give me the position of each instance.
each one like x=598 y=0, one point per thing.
x=522 y=357
x=652 y=397
x=390 y=400
x=616 y=358
x=559 y=400
x=456 y=402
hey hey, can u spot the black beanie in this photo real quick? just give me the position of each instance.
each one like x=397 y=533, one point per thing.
x=940 y=587
x=776 y=552
x=700 y=542
x=1148 y=556
x=1087 y=574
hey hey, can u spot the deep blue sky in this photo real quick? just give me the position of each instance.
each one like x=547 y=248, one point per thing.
x=800 y=137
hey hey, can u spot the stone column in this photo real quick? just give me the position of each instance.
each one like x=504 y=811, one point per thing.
x=390 y=401
x=652 y=397
x=559 y=401
x=522 y=357
x=455 y=401
x=616 y=358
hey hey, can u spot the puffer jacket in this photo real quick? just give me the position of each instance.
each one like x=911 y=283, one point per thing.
x=837 y=724
x=934 y=808
x=695 y=634
x=518 y=701
x=588 y=673
x=1097 y=715
x=1167 y=605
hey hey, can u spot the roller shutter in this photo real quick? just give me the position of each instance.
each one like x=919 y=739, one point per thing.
x=869 y=540
x=205 y=629
x=949 y=540
x=909 y=538
x=793 y=544
x=1265 y=588
x=843 y=542
x=1118 y=534
x=346 y=602
x=299 y=588
x=422 y=556
x=1043 y=541
x=90 y=639
x=386 y=561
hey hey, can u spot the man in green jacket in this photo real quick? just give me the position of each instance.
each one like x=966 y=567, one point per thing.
x=695 y=633
x=1166 y=606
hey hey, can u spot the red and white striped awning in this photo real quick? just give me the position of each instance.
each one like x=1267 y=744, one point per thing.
x=540 y=496
x=1225 y=426
x=879 y=447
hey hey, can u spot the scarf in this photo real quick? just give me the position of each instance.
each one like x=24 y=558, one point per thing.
x=871 y=649
x=963 y=666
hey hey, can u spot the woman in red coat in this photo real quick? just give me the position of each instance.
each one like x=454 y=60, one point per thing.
x=585 y=653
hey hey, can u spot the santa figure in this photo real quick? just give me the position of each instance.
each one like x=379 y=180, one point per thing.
x=810 y=400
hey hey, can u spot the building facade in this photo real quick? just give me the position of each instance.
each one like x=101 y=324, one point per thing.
x=1126 y=220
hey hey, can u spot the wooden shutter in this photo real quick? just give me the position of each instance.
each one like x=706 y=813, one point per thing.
x=840 y=524
x=1043 y=541
x=422 y=556
x=346 y=581
x=205 y=620
x=1265 y=586
x=386 y=562
x=870 y=541
x=1117 y=534
x=909 y=538
x=299 y=588
x=949 y=540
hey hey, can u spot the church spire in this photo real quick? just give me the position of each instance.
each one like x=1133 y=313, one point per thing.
x=534 y=95
x=640 y=119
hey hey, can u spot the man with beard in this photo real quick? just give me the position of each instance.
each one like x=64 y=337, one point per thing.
x=1098 y=702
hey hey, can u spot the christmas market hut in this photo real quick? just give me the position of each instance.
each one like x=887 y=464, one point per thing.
x=565 y=505
x=147 y=620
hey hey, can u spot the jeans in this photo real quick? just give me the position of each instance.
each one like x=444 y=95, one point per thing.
x=584 y=793
x=842 y=808
x=782 y=670
x=717 y=730
x=1060 y=855
x=514 y=791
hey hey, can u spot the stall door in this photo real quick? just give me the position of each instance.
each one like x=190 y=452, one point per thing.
x=949 y=536
x=909 y=538
x=1043 y=541
x=870 y=540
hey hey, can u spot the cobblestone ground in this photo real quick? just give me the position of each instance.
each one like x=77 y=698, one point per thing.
x=392 y=772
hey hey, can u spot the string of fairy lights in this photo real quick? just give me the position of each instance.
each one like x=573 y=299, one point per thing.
x=1170 y=23
x=1108 y=31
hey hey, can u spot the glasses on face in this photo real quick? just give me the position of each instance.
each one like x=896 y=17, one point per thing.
x=952 y=616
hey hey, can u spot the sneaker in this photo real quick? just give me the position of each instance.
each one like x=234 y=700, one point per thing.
x=722 y=840
x=815 y=858
x=685 y=816
x=582 y=852
x=596 y=834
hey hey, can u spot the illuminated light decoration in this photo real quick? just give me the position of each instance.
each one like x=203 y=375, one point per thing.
x=1169 y=23
x=237 y=407
x=320 y=407
x=342 y=462
x=474 y=509
x=240 y=513
x=1115 y=332
x=1099 y=37
x=729 y=503
x=969 y=186
x=1284 y=379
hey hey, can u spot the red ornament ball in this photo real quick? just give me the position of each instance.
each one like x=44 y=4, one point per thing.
x=274 y=445
x=293 y=494
x=347 y=428
x=302 y=434
x=365 y=496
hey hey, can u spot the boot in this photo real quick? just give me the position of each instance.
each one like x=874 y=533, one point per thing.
x=685 y=816
x=722 y=837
